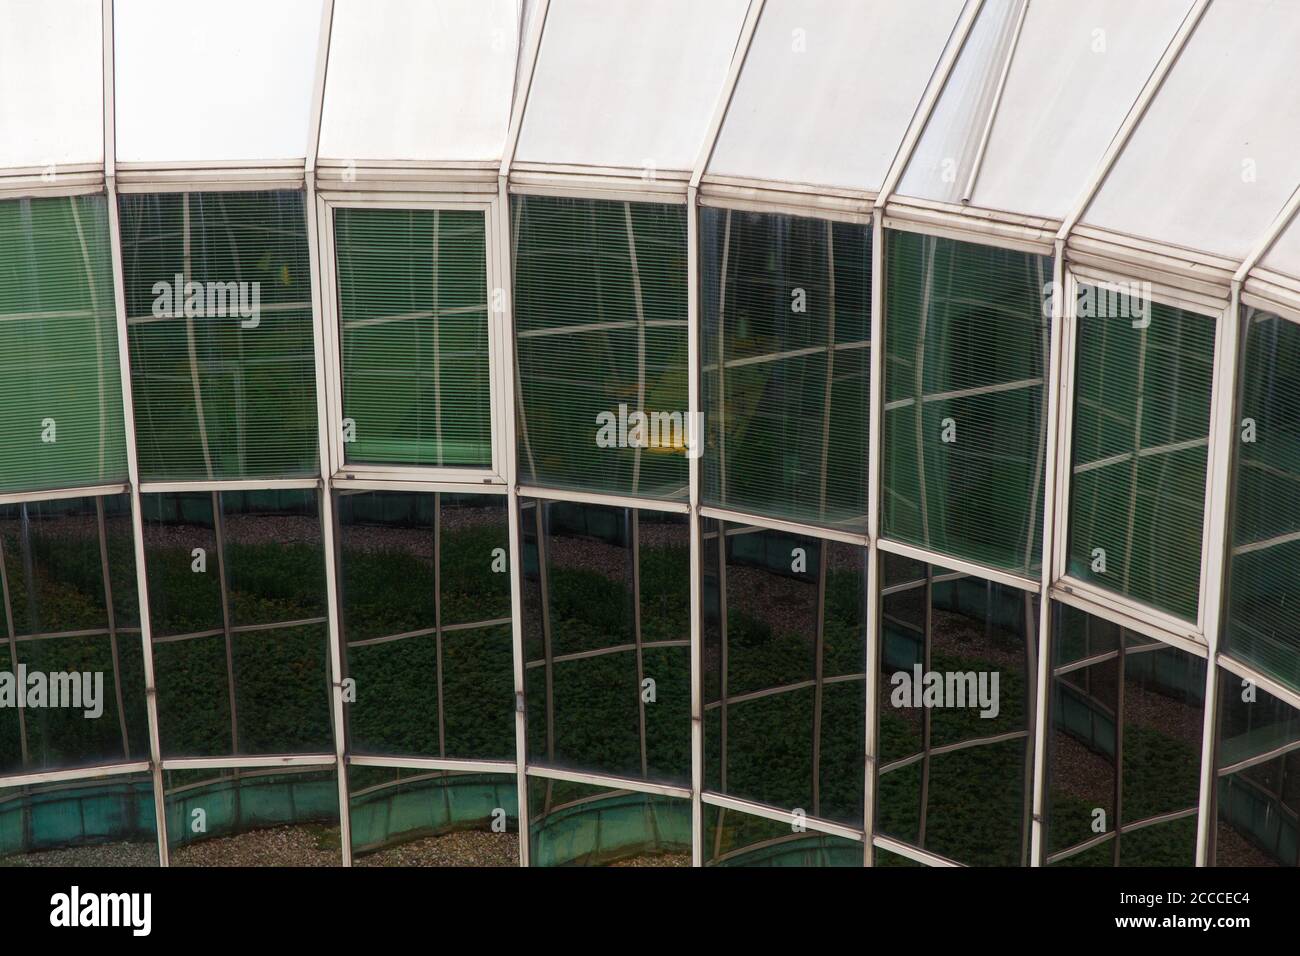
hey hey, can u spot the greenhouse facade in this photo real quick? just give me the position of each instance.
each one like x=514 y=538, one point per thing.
x=744 y=432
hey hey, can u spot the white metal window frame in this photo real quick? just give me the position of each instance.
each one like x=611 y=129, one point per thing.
x=1090 y=596
x=329 y=331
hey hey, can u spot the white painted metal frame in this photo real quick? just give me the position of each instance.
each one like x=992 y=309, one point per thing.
x=1105 y=603
x=342 y=470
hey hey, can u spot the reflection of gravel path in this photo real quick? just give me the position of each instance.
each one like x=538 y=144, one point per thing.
x=656 y=859
x=102 y=854
x=460 y=848
x=277 y=846
x=1232 y=849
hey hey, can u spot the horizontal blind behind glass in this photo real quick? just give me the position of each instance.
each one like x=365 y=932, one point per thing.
x=217 y=395
x=1140 y=438
x=600 y=313
x=413 y=316
x=786 y=329
x=965 y=438
x=61 y=421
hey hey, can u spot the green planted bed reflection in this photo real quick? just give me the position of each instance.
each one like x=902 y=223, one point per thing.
x=607 y=658
x=240 y=635
x=425 y=595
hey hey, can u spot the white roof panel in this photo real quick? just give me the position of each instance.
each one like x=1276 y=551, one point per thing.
x=828 y=90
x=1218 y=153
x=1078 y=68
x=208 y=82
x=627 y=83
x=413 y=80
x=51 y=83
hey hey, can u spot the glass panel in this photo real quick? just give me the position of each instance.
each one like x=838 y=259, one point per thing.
x=607 y=596
x=60 y=391
x=784 y=656
x=283 y=816
x=1258 y=771
x=741 y=839
x=574 y=824
x=404 y=817
x=600 y=314
x=966 y=350
x=413 y=317
x=1141 y=425
x=956 y=706
x=72 y=670
x=1120 y=700
x=107 y=822
x=237 y=594
x=426 y=624
x=785 y=342
x=1262 y=587
x=219 y=310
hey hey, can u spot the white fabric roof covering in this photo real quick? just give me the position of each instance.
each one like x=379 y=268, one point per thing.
x=214 y=81
x=1076 y=71
x=1218 y=153
x=628 y=83
x=444 y=73
x=830 y=105
x=51 y=83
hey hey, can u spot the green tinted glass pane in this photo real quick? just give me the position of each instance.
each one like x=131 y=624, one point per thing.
x=732 y=838
x=219 y=310
x=237 y=599
x=413 y=327
x=965 y=359
x=1141 y=424
x=785 y=342
x=72 y=674
x=108 y=822
x=600 y=316
x=1257 y=756
x=1263 y=587
x=60 y=391
x=574 y=824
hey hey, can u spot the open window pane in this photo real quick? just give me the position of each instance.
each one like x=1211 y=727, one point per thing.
x=60 y=390
x=965 y=362
x=1263 y=590
x=1143 y=375
x=413 y=328
x=219 y=315
x=600 y=317
x=785 y=342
